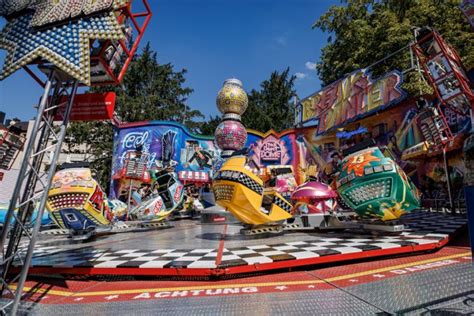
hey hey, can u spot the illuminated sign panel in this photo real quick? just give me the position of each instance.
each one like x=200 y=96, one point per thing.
x=352 y=97
x=270 y=150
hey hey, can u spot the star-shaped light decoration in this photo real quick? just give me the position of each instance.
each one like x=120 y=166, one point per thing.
x=52 y=11
x=9 y=7
x=67 y=46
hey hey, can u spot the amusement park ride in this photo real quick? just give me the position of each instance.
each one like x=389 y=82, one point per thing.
x=74 y=43
x=92 y=43
x=370 y=183
x=77 y=203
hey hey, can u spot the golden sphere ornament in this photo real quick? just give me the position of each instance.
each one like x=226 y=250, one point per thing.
x=232 y=98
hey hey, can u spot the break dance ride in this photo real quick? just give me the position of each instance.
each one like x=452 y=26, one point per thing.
x=73 y=43
x=368 y=192
x=371 y=184
x=153 y=193
x=76 y=202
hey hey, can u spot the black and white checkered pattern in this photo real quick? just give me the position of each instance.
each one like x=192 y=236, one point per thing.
x=241 y=178
x=40 y=248
x=251 y=183
x=424 y=228
x=425 y=222
x=283 y=204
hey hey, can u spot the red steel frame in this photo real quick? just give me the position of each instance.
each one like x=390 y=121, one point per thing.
x=451 y=56
x=124 y=13
x=229 y=271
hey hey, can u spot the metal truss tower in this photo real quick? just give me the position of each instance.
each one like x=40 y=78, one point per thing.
x=31 y=189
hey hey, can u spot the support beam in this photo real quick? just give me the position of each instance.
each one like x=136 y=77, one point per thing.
x=32 y=187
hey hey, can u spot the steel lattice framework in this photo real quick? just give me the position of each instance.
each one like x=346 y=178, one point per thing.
x=81 y=42
x=31 y=189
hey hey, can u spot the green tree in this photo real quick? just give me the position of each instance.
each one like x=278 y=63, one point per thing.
x=362 y=32
x=150 y=91
x=209 y=127
x=271 y=107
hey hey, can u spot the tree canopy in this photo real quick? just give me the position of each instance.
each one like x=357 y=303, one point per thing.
x=271 y=107
x=209 y=127
x=361 y=32
x=150 y=91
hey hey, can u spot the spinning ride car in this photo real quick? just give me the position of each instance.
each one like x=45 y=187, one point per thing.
x=241 y=192
x=371 y=184
x=314 y=198
x=314 y=204
x=77 y=202
x=375 y=187
x=167 y=195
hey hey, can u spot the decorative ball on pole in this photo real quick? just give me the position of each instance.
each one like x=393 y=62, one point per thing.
x=232 y=98
x=232 y=102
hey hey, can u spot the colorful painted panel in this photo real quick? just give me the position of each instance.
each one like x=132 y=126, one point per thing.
x=271 y=148
x=351 y=98
x=165 y=144
x=277 y=149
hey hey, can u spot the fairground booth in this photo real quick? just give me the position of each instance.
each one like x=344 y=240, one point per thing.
x=165 y=144
x=360 y=110
x=194 y=157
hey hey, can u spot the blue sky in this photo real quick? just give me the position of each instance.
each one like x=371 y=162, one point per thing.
x=215 y=40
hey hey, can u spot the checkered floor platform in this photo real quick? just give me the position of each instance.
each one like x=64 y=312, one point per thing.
x=40 y=248
x=423 y=228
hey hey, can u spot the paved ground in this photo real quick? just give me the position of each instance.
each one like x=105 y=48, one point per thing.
x=440 y=283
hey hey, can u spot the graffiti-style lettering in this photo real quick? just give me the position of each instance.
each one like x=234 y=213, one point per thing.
x=158 y=206
x=133 y=139
x=270 y=149
x=351 y=96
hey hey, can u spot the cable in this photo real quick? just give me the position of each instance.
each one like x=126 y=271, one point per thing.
x=351 y=294
x=390 y=55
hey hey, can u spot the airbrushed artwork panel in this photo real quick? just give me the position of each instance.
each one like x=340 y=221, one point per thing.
x=270 y=149
x=164 y=144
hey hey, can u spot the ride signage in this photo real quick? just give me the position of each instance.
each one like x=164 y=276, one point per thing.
x=90 y=107
x=350 y=98
x=270 y=150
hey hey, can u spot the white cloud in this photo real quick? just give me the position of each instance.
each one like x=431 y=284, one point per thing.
x=300 y=75
x=282 y=40
x=310 y=65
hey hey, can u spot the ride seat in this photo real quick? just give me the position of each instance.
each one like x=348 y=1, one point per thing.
x=267 y=202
